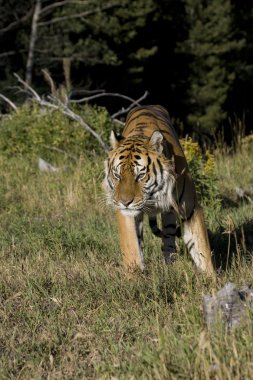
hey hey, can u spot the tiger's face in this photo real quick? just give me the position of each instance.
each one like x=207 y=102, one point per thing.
x=137 y=175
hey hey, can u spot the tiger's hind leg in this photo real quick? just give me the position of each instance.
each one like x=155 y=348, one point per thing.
x=197 y=242
x=169 y=232
x=131 y=240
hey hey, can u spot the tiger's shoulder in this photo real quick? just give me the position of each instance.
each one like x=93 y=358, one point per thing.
x=143 y=121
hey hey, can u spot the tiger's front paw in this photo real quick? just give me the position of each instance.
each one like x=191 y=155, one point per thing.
x=170 y=257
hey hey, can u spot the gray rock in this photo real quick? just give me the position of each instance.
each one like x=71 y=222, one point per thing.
x=230 y=304
x=45 y=166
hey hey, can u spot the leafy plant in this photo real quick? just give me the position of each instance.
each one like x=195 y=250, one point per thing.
x=36 y=131
x=202 y=168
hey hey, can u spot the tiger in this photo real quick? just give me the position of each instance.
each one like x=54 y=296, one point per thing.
x=146 y=172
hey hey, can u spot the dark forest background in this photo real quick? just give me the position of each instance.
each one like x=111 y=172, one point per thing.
x=195 y=57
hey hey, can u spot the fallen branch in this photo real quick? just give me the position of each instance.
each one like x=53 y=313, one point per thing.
x=57 y=104
x=123 y=110
x=118 y=121
x=112 y=94
x=16 y=23
x=135 y=103
x=28 y=88
x=80 y=91
x=54 y=102
x=7 y=100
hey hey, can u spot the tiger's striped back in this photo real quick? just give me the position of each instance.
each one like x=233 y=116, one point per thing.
x=143 y=121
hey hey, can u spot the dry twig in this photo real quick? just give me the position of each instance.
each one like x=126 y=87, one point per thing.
x=57 y=104
x=134 y=103
x=7 y=100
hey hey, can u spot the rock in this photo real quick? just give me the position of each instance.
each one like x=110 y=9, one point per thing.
x=243 y=195
x=229 y=304
x=45 y=166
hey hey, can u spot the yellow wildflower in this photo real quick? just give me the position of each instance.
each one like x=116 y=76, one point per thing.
x=191 y=149
x=208 y=168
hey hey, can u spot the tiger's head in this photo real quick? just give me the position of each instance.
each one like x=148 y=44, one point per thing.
x=138 y=176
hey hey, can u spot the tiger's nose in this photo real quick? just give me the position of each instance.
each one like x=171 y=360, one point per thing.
x=126 y=202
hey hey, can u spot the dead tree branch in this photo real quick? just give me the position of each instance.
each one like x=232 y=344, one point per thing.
x=82 y=91
x=7 y=100
x=57 y=104
x=102 y=94
x=118 y=121
x=16 y=23
x=135 y=103
x=123 y=110
x=7 y=53
x=50 y=81
x=28 y=88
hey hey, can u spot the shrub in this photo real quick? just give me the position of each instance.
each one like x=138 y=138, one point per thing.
x=33 y=130
x=202 y=168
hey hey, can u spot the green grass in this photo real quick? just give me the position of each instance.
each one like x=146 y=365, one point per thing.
x=69 y=312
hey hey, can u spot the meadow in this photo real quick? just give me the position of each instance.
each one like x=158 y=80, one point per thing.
x=69 y=312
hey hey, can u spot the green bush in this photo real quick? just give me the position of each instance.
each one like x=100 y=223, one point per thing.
x=33 y=130
x=202 y=168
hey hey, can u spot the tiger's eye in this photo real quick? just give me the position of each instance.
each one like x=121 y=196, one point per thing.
x=140 y=176
x=117 y=176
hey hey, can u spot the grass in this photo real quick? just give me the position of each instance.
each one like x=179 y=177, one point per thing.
x=67 y=309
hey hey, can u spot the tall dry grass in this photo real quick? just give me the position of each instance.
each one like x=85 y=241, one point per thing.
x=67 y=310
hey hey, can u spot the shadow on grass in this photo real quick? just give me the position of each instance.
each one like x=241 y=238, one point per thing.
x=231 y=246
x=227 y=202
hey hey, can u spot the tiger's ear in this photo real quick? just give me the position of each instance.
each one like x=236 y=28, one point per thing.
x=156 y=141
x=115 y=140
